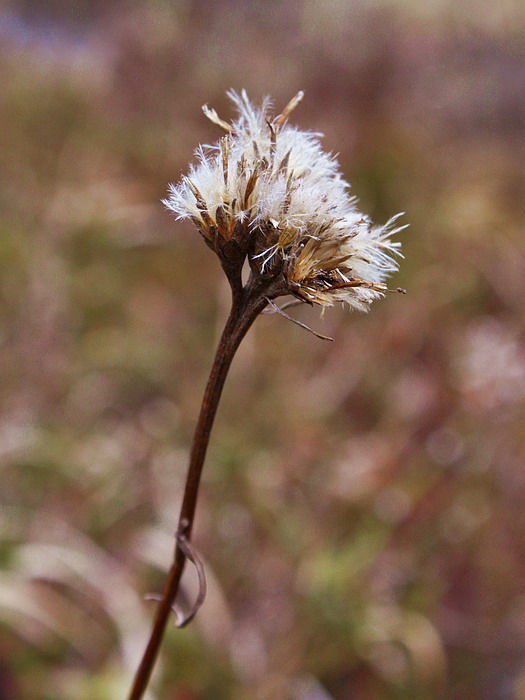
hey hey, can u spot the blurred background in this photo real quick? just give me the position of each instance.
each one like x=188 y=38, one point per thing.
x=361 y=518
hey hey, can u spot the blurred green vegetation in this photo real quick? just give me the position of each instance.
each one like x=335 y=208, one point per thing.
x=362 y=518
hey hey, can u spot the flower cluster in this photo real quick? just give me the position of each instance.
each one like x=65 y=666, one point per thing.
x=267 y=191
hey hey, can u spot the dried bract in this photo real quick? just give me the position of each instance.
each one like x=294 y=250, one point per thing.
x=267 y=191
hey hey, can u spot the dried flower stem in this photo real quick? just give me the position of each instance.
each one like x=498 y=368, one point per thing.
x=248 y=302
x=266 y=194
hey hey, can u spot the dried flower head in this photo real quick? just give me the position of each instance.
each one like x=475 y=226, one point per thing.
x=267 y=191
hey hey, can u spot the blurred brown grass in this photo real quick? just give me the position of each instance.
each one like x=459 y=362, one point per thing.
x=361 y=520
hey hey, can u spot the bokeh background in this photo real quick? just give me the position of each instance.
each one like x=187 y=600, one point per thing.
x=361 y=519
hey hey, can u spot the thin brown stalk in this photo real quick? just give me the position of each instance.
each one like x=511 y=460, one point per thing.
x=246 y=306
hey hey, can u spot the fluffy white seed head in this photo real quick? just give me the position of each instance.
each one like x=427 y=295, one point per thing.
x=269 y=189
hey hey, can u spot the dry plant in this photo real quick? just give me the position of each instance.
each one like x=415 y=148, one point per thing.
x=266 y=194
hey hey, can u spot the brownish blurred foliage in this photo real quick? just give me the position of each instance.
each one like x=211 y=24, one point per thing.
x=362 y=518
